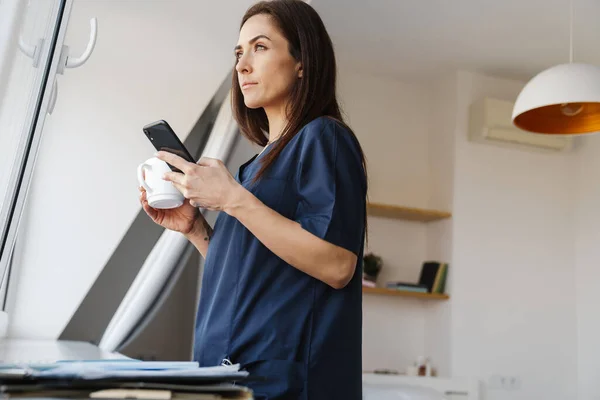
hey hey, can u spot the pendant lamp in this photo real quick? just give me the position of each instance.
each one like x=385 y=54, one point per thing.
x=562 y=100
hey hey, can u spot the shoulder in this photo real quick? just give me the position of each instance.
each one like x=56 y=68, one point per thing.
x=327 y=133
x=326 y=143
x=320 y=128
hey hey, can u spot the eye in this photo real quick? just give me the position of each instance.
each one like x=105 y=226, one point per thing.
x=260 y=46
x=238 y=54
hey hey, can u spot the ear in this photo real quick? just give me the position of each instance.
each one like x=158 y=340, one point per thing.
x=299 y=69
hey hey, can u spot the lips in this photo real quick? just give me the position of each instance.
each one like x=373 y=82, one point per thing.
x=247 y=85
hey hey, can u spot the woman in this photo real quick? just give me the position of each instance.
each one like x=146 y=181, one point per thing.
x=281 y=291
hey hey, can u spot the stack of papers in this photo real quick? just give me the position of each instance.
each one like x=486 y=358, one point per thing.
x=122 y=369
x=122 y=379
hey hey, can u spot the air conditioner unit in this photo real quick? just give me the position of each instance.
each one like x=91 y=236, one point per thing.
x=490 y=121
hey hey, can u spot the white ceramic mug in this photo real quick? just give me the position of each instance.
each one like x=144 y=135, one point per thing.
x=159 y=193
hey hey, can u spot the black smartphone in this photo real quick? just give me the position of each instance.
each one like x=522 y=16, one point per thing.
x=164 y=138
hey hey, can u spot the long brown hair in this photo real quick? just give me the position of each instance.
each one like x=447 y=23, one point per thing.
x=312 y=96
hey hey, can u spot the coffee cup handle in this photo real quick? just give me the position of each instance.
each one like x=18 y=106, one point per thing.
x=140 y=176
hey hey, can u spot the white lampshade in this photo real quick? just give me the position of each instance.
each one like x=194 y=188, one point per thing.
x=564 y=99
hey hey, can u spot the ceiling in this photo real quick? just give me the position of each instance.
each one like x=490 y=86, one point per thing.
x=418 y=39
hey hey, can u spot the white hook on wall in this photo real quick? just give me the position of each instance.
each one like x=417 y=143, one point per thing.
x=34 y=52
x=27 y=49
x=66 y=61
x=76 y=62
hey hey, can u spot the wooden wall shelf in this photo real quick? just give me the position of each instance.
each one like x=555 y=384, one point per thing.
x=408 y=213
x=391 y=292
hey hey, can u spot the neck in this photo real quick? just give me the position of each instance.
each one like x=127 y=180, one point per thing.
x=277 y=122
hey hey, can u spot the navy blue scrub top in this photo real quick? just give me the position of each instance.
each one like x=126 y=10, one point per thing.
x=298 y=333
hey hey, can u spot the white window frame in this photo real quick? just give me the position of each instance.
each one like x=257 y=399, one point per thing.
x=27 y=152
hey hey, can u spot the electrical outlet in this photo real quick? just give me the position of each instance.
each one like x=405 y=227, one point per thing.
x=504 y=382
x=513 y=382
x=495 y=382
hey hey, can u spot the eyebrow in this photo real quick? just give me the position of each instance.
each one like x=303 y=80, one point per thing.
x=251 y=41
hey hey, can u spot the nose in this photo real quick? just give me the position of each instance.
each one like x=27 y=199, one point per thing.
x=243 y=65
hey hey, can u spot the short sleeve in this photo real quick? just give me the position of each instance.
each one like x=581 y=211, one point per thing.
x=331 y=185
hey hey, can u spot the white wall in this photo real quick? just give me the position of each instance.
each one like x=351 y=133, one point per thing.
x=587 y=238
x=513 y=281
x=153 y=60
x=391 y=121
x=441 y=148
x=510 y=242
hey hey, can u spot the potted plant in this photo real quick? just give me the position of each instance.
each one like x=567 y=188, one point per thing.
x=371 y=267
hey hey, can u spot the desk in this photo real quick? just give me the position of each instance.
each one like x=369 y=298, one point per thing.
x=30 y=351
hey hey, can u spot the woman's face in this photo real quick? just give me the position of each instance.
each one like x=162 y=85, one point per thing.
x=266 y=69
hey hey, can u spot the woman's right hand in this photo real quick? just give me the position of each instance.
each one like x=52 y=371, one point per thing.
x=180 y=219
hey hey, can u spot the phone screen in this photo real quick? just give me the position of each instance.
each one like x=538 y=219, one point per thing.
x=164 y=138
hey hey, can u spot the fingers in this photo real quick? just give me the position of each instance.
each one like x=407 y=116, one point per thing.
x=181 y=184
x=182 y=189
x=175 y=177
x=152 y=213
x=143 y=196
x=175 y=161
x=208 y=162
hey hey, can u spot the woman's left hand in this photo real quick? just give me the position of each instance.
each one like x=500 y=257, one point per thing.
x=207 y=184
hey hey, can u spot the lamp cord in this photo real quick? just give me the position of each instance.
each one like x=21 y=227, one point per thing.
x=571 y=33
